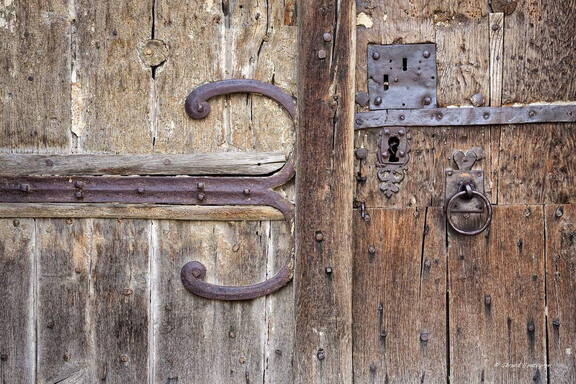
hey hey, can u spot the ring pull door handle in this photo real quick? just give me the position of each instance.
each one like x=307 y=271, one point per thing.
x=194 y=272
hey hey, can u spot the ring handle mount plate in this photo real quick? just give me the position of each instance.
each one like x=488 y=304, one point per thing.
x=193 y=273
x=464 y=195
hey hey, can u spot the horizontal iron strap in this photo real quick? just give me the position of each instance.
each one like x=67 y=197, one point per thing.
x=466 y=116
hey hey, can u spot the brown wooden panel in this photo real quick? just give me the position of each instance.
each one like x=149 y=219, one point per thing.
x=399 y=297
x=207 y=341
x=560 y=290
x=424 y=180
x=17 y=302
x=35 y=82
x=539 y=51
x=94 y=300
x=110 y=83
x=536 y=165
x=323 y=300
x=496 y=300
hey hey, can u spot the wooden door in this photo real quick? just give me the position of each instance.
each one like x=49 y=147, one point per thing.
x=430 y=305
x=92 y=292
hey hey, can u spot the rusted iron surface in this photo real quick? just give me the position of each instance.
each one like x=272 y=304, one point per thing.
x=150 y=190
x=194 y=272
x=197 y=106
x=466 y=116
x=402 y=76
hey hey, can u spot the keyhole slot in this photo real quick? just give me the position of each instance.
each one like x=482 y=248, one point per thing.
x=405 y=64
x=386 y=83
x=393 y=144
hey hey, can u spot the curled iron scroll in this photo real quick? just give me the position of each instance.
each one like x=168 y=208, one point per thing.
x=194 y=272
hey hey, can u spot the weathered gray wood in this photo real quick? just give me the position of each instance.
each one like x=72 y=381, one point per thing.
x=207 y=341
x=140 y=211
x=400 y=295
x=17 y=302
x=496 y=21
x=560 y=292
x=496 y=285
x=229 y=163
x=110 y=89
x=35 y=82
x=323 y=307
x=94 y=300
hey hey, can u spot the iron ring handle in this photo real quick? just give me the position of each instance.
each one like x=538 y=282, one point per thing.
x=197 y=106
x=193 y=273
x=486 y=204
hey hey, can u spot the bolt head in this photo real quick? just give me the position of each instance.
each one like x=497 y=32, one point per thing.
x=328 y=270
x=327 y=36
x=371 y=250
x=556 y=322
x=378 y=100
x=486 y=115
x=140 y=190
x=426 y=54
x=200 y=186
x=124 y=358
x=427 y=100
x=321 y=355
x=559 y=212
x=439 y=116
x=401 y=132
x=322 y=54
x=424 y=336
x=361 y=153
x=477 y=100
x=402 y=117
x=201 y=196
x=319 y=236
x=532 y=113
x=402 y=153
x=375 y=55
x=79 y=184
x=246 y=191
x=359 y=121
x=487 y=299
x=387 y=132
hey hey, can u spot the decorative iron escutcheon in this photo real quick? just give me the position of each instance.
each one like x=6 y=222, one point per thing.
x=392 y=156
x=464 y=193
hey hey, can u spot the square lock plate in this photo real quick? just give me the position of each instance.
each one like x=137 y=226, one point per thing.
x=402 y=76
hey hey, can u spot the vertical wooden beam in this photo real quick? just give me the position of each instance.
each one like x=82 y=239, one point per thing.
x=323 y=277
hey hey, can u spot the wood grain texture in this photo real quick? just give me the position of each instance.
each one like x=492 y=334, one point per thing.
x=399 y=296
x=323 y=307
x=94 y=295
x=226 y=163
x=35 y=84
x=560 y=288
x=17 y=317
x=110 y=84
x=539 y=52
x=431 y=150
x=140 y=211
x=496 y=28
x=496 y=300
x=206 y=341
x=246 y=40
x=535 y=165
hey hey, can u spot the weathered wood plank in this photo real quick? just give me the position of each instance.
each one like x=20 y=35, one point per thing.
x=120 y=301
x=279 y=336
x=496 y=21
x=110 y=83
x=323 y=308
x=35 y=61
x=545 y=148
x=207 y=341
x=225 y=163
x=400 y=297
x=560 y=292
x=17 y=317
x=94 y=294
x=140 y=211
x=539 y=51
x=496 y=300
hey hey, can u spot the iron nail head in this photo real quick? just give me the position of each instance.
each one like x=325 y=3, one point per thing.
x=322 y=54
x=327 y=36
x=375 y=55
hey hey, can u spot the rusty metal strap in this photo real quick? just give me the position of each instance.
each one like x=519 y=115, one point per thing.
x=466 y=116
